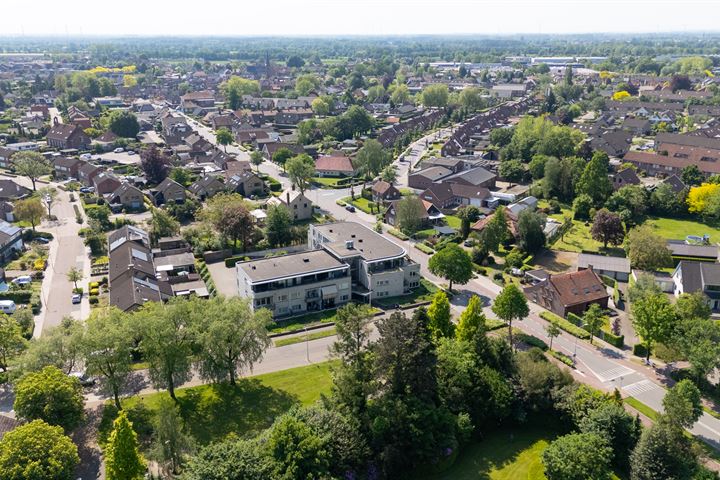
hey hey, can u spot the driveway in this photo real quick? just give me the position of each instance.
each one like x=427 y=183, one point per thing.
x=225 y=279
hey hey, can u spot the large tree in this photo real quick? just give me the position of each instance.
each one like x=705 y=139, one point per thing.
x=37 y=451
x=278 y=226
x=510 y=305
x=468 y=214
x=171 y=442
x=235 y=88
x=224 y=137
x=594 y=180
x=372 y=157
x=124 y=123
x=51 y=396
x=472 y=320
x=531 y=232
x=496 y=231
x=607 y=228
x=162 y=224
x=123 y=460
x=282 y=155
x=435 y=95
x=440 y=325
x=231 y=336
x=301 y=170
x=59 y=346
x=296 y=450
x=409 y=214
x=32 y=165
x=622 y=430
x=155 y=164
x=647 y=250
x=699 y=341
x=12 y=342
x=663 y=452
x=453 y=264
x=682 y=405
x=654 y=319
x=578 y=456
x=30 y=210
x=107 y=348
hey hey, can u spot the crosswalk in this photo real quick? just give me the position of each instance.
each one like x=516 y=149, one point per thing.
x=635 y=389
x=613 y=373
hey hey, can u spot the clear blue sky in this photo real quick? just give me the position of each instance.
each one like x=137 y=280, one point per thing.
x=371 y=17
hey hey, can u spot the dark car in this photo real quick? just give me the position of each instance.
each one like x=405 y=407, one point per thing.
x=350 y=208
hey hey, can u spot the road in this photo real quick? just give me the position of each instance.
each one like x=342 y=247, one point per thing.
x=208 y=134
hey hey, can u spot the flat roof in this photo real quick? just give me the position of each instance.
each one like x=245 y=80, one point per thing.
x=292 y=265
x=601 y=262
x=371 y=246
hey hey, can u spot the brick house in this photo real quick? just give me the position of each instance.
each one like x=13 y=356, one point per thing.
x=63 y=136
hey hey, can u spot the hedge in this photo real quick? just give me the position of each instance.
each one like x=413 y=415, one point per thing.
x=567 y=360
x=494 y=324
x=17 y=296
x=574 y=319
x=614 y=340
x=398 y=234
x=566 y=325
x=640 y=350
x=231 y=261
x=531 y=341
x=424 y=248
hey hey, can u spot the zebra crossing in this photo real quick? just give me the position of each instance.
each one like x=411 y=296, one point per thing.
x=635 y=389
x=613 y=373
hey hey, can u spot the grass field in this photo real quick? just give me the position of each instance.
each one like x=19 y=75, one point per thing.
x=281 y=342
x=424 y=292
x=511 y=454
x=213 y=411
x=678 y=229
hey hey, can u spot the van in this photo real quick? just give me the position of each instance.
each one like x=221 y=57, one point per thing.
x=7 y=306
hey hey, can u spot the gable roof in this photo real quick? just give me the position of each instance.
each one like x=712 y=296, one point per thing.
x=62 y=131
x=474 y=176
x=338 y=163
x=166 y=184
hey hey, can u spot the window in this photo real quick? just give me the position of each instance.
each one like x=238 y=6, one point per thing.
x=296 y=307
x=344 y=298
x=282 y=298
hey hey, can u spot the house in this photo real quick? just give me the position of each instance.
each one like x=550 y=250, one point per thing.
x=637 y=126
x=613 y=267
x=431 y=214
x=10 y=190
x=65 y=168
x=682 y=250
x=570 y=292
x=87 y=172
x=8 y=424
x=675 y=183
x=246 y=183
x=422 y=179
x=625 y=177
x=383 y=192
x=168 y=190
x=335 y=165
x=512 y=222
x=198 y=103
x=10 y=241
x=269 y=149
x=106 y=182
x=206 y=187
x=475 y=177
x=63 y=136
x=5 y=154
x=615 y=143
x=300 y=207
x=674 y=162
x=455 y=165
x=127 y=195
x=691 y=277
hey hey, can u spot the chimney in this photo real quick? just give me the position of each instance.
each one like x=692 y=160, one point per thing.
x=287 y=197
x=349 y=244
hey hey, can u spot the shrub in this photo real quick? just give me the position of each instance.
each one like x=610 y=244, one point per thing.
x=17 y=296
x=531 y=341
x=94 y=291
x=567 y=360
x=424 y=248
x=574 y=319
x=614 y=340
x=640 y=350
x=231 y=261
x=92 y=285
x=498 y=276
x=93 y=299
x=398 y=234
x=565 y=325
x=78 y=290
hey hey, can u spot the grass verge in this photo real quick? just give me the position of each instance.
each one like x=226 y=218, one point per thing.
x=301 y=338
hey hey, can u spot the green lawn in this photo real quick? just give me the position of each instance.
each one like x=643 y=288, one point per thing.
x=424 y=292
x=213 y=411
x=281 y=342
x=510 y=454
x=678 y=229
x=326 y=181
x=453 y=221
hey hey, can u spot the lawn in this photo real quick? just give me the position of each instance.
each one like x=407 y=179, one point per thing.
x=326 y=181
x=213 y=411
x=310 y=319
x=678 y=229
x=281 y=342
x=511 y=454
x=453 y=222
x=423 y=293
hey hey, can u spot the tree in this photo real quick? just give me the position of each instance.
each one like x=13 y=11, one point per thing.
x=295 y=62
x=553 y=330
x=107 y=348
x=162 y=224
x=37 y=451
x=691 y=176
x=647 y=250
x=75 y=275
x=440 y=325
x=682 y=404
x=51 y=396
x=471 y=98
x=578 y=456
x=612 y=422
x=593 y=319
x=123 y=460
x=663 y=452
x=301 y=170
x=372 y=157
x=32 y=165
x=48 y=196
x=531 y=231
x=400 y=95
x=472 y=321
x=224 y=137
x=537 y=166
x=409 y=213
x=630 y=198
x=699 y=341
x=232 y=337
x=58 y=346
x=282 y=155
x=496 y=231
x=171 y=443
x=12 y=342
x=680 y=82
x=607 y=228
x=304 y=84
x=704 y=200
x=155 y=164
x=230 y=459
x=453 y=264
x=256 y=158
x=30 y=210
x=236 y=87
x=297 y=451
x=124 y=124
x=511 y=171
x=389 y=174
x=468 y=214
x=501 y=136
x=435 y=95
x=278 y=226
x=693 y=306
x=654 y=319
x=167 y=337
x=320 y=107
x=594 y=180
x=510 y=305
x=229 y=214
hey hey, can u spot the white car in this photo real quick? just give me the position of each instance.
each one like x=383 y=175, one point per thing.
x=22 y=280
x=119 y=150
x=86 y=156
x=131 y=152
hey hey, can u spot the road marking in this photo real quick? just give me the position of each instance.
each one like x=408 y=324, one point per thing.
x=637 y=388
x=613 y=373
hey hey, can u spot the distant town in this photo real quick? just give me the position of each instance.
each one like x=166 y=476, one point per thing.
x=360 y=258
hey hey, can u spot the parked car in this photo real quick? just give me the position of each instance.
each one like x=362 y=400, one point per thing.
x=7 y=306
x=22 y=280
x=350 y=208
x=86 y=156
x=131 y=152
x=87 y=189
x=42 y=239
x=76 y=298
x=84 y=378
x=119 y=150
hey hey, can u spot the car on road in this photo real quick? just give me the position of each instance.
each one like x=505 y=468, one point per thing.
x=350 y=208
x=87 y=189
x=131 y=152
x=84 y=379
x=119 y=150
x=76 y=298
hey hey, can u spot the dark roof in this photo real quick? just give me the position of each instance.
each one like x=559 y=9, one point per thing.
x=381 y=186
x=628 y=176
x=474 y=176
x=578 y=287
x=62 y=131
x=167 y=183
x=676 y=184
x=682 y=249
x=687 y=140
x=432 y=173
x=469 y=191
x=11 y=190
x=7 y=424
x=695 y=276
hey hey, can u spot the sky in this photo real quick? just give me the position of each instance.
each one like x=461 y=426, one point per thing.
x=353 y=17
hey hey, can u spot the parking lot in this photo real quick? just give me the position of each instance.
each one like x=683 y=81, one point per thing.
x=121 y=158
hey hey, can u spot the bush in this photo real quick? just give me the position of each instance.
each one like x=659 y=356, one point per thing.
x=424 y=248
x=614 y=340
x=565 y=325
x=514 y=259
x=567 y=360
x=94 y=291
x=531 y=341
x=93 y=299
x=498 y=276
x=398 y=234
x=640 y=350
x=78 y=290
x=574 y=319
x=17 y=296
x=231 y=261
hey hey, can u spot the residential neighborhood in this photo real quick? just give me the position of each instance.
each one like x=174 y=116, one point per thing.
x=326 y=257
